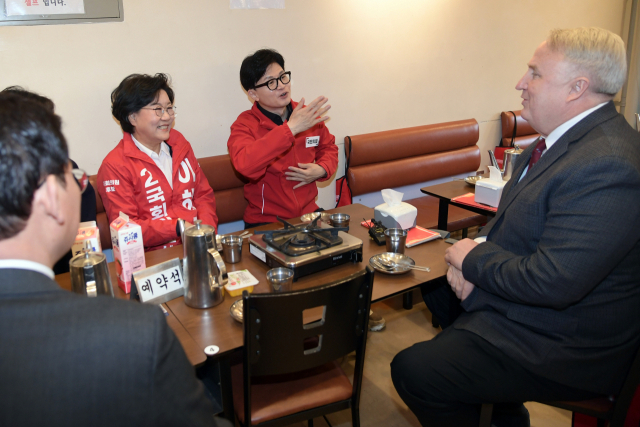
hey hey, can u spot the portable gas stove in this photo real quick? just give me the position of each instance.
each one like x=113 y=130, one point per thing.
x=305 y=248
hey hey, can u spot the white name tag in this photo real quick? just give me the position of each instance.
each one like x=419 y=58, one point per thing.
x=313 y=141
x=160 y=283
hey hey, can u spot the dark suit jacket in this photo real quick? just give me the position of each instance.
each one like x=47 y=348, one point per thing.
x=69 y=360
x=558 y=280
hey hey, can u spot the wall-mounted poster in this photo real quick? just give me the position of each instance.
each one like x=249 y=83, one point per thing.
x=256 y=4
x=43 y=7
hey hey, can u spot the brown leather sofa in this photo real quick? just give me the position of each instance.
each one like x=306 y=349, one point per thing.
x=401 y=157
x=227 y=185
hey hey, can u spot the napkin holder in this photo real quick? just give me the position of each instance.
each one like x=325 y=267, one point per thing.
x=402 y=215
x=489 y=190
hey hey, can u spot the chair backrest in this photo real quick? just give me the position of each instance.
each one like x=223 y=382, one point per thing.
x=275 y=334
x=400 y=157
x=525 y=134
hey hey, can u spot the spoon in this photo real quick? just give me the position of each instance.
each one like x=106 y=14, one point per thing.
x=390 y=264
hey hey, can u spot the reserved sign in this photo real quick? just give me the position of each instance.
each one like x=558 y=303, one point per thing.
x=160 y=283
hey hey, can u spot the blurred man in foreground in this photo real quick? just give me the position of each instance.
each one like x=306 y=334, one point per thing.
x=551 y=297
x=68 y=360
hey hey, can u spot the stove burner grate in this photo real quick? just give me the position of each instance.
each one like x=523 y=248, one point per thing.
x=302 y=239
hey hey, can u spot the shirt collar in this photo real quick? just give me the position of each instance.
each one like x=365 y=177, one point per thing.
x=164 y=148
x=274 y=117
x=557 y=133
x=24 y=264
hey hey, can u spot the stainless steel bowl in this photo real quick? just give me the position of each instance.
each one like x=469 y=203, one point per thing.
x=309 y=217
x=236 y=310
x=471 y=180
x=393 y=257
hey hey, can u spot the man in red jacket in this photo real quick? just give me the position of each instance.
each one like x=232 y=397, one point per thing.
x=281 y=146
x=152 y=175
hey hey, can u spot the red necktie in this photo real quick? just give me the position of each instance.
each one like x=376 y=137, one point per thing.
x=537 y=152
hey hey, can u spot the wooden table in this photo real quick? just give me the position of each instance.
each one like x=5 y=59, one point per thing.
x=194 y=352
x=198 y=328
x=215 y=326
x=449 y=190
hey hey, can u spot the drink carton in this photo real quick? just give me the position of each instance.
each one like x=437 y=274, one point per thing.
x=128 y=250
x=88 y=231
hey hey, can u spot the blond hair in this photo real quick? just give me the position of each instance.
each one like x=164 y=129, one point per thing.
x=597 y=52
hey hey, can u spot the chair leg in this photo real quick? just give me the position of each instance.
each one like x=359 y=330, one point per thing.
x=355 y=417
x=310 y=423
x=465 y=233
x=485 y=415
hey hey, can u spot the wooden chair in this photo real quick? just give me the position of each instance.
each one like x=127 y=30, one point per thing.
x=289 y=372
x=605 y=408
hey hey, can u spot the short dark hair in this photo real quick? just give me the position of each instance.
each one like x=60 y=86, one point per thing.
x=254 y=66
x=32 y=147
x=18 y=90
x=137 y=91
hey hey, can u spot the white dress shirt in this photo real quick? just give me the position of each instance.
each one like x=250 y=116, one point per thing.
x=163 y=160
x=23 y=264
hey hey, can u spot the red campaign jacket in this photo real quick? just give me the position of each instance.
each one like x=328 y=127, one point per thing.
x=129 y=181
x=262 y=152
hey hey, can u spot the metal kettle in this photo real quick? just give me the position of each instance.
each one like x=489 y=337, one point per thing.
x=204 y=271
x=90 y=273
x=508 y=161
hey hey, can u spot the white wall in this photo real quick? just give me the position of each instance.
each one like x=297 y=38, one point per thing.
x=383 y=64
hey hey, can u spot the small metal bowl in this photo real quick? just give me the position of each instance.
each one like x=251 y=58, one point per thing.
x=236 y=311
x=309 y=217
x=340 y=220
x=471 y=180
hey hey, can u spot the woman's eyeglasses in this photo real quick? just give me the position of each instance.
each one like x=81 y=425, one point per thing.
x=171 y=111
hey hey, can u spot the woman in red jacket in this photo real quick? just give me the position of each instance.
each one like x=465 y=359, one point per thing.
x=152 y=175
x=281 y=146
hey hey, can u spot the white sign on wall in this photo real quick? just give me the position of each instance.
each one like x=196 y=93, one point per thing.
x=43 y=7
x=256 y=4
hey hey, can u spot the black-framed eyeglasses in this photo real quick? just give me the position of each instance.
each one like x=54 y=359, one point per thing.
x=160 y=111
x=273 y=83
x=82 y=179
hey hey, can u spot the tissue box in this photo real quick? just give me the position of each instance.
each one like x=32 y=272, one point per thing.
x=488 y=191
x=398 y=216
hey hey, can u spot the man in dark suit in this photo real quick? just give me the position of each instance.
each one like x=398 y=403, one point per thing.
x=550 y=299
x=68 y=360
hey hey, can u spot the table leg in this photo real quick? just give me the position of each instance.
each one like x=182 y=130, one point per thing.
x=443 y=214
x=407 y=300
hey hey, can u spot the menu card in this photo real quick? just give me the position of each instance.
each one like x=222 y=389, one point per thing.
x=417 y=235
x=469 y=199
